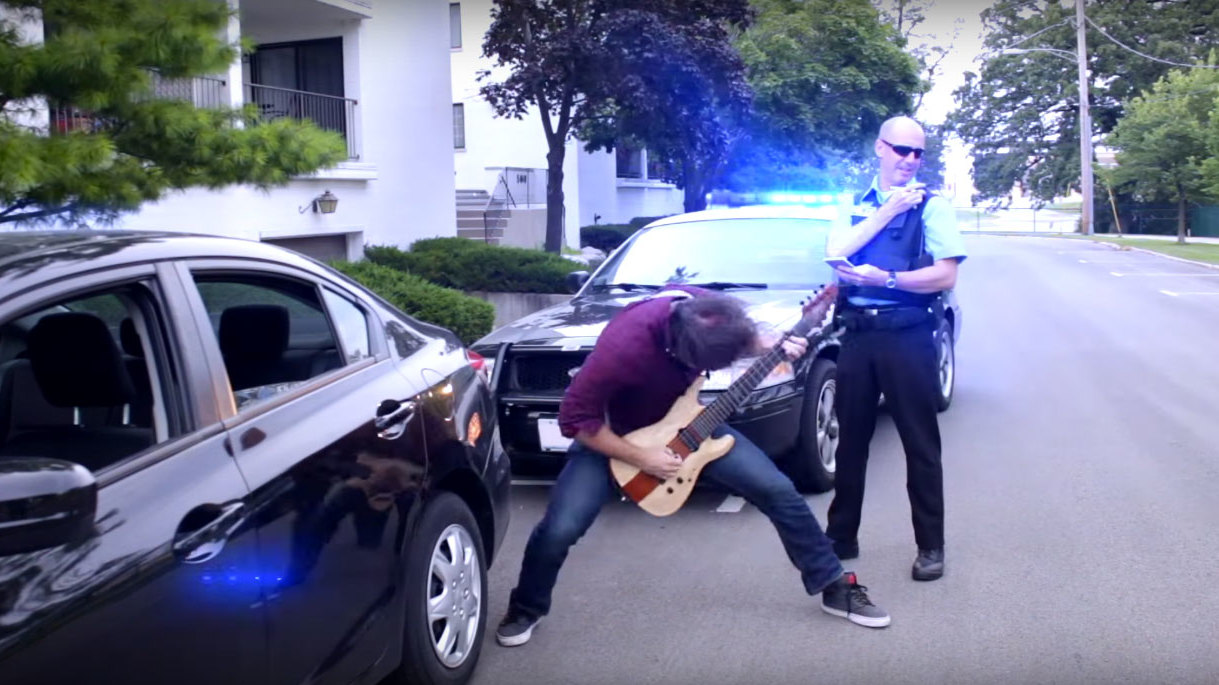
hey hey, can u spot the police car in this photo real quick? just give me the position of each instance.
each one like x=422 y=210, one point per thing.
x=770 y=257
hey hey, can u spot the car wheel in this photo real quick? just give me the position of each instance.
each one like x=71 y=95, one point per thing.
x=811 y=466
x=446 y=602
x=946 y=364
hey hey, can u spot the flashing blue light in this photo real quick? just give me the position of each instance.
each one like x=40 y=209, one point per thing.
x=809 y=199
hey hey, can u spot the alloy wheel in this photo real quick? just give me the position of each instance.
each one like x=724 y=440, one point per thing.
x=454 y=596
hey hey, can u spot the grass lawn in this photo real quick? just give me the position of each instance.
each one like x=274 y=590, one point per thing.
x=1200 y=252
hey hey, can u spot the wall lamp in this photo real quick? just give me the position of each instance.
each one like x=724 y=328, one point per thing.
x=325 y=203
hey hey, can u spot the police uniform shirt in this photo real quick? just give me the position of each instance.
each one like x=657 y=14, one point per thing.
x=941 y=238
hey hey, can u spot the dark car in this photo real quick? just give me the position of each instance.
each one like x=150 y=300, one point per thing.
x=769 y=257
x=222 y=462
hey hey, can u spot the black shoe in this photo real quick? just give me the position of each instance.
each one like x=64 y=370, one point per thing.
x=929 y=564
x=846 y=550
x=848 y=599
x=516 y=628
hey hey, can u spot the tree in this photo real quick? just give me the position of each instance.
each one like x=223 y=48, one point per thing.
x=1021 y=112
x=825 y=74
x=116 y=145
x=681 y=93
x=1166 y=139
x=577 y=61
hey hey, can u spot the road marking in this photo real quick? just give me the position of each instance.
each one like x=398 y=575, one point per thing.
x=1120 y=274
x=731 y=505
x=1169 y=293
x=1176 y=294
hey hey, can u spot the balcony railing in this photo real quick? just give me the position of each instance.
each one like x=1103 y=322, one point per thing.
x=328 y=112
x=202 y=91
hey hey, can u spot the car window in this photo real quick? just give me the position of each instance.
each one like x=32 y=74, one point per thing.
x=351 y=323
x=778 y=252
x=273 y=333
x=87 y=379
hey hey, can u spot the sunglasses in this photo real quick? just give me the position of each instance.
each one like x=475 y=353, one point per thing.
x=904 y=150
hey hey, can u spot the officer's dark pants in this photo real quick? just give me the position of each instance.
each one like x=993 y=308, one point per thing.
x=902 y=364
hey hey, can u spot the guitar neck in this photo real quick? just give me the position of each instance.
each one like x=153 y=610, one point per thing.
x=731 y=399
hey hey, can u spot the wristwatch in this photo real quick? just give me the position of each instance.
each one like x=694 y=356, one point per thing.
x=891 y=281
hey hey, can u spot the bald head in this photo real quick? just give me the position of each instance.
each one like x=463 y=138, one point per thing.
x=902 y=133
x=900 y=127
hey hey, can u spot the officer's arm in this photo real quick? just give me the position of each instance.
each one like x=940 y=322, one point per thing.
x=845 y=240
x=940 y=276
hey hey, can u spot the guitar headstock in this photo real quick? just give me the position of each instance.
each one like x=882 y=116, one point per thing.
x=816 y=307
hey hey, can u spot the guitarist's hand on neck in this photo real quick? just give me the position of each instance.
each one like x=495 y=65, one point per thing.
x=657 y=461
x=794 y=346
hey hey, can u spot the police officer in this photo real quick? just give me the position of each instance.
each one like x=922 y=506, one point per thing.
x=904 y=248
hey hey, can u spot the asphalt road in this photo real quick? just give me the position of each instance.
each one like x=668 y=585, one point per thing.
x=1082 y=484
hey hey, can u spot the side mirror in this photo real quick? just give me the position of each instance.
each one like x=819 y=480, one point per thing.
x=44 y=503
x=576 y=280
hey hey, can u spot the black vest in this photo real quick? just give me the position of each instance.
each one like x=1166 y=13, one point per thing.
x=899 y=246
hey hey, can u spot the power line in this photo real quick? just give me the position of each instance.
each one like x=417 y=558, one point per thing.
x=1144 y=55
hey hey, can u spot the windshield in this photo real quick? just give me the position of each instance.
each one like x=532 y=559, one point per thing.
x=769 y=252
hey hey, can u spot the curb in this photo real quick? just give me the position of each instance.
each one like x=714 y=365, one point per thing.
x=1157 y=254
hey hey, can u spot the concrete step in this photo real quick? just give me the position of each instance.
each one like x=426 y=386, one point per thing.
x=493 y=234
x=492 y=213
x=479 y=223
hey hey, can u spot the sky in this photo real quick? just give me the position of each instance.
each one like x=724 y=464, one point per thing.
x=954 y=24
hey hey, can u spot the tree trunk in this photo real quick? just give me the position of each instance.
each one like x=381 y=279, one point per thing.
x=695 y=198
x=554 y=198
x=1181 y=216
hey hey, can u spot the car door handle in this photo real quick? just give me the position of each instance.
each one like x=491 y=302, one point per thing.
x=205 y=530
x=392 y=417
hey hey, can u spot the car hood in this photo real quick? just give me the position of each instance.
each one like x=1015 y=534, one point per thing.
x=581 y=319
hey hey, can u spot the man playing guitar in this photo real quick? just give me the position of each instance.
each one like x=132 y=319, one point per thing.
x=646 y=358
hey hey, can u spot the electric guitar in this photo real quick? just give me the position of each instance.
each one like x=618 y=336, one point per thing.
x=688 y=425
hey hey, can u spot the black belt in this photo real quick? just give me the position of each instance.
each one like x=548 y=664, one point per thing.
x=855 y=318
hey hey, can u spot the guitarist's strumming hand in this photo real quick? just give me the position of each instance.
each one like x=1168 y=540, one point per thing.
x=661 y=462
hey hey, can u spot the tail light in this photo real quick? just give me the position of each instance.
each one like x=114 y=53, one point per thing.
x=479 y=363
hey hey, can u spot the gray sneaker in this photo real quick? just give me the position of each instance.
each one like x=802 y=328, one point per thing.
x=516 y=628
x=846 y=598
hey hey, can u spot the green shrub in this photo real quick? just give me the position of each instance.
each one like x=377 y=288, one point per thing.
x=605 y=237
x=467 y=264
x=469 y=317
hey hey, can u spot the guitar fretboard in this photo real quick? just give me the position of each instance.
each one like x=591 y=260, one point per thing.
x=731 y=399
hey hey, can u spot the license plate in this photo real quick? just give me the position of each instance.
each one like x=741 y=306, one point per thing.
x=550 y=438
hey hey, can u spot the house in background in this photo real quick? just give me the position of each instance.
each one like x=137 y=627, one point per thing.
x=500 y=164
x=374 y=71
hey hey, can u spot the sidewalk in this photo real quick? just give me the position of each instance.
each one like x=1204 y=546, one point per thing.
x=1171 y=238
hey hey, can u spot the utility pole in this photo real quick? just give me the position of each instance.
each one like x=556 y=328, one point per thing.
x=1085 y=122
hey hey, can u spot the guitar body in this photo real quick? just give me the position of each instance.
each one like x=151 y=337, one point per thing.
x=683 y=428
x=666 y=497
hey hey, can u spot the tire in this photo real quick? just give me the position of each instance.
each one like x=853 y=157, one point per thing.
x=812 y=464
x=946 y=364
x=446 y=531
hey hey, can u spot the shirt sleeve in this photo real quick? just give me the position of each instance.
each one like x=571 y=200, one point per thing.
x=940 y=230
x=599 y=378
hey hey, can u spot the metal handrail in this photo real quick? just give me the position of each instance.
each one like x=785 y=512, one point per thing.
x=329 y=112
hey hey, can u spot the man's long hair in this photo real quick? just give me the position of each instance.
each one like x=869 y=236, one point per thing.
x=710 y=332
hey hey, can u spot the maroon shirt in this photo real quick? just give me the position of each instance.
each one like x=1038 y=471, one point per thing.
x=630 y=376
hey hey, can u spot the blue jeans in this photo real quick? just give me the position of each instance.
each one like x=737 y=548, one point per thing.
x=585 y=485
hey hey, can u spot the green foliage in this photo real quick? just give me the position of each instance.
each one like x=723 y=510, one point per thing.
x=469 y=265
x=101 y=59
x=605 y=237
x=622 y=67
x=1167 y=141
x=825 y=74
x=469 y=317
x=1021 y=113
